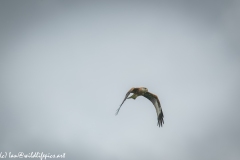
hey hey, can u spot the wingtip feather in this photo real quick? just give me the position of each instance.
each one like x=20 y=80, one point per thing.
x=160 y=119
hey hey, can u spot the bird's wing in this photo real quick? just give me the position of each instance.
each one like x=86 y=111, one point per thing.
x=154 y=99
x=132 y=90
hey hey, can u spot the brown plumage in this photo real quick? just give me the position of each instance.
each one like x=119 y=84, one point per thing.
x=142 y=91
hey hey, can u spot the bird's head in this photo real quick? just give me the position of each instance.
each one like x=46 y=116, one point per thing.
x=144 y=89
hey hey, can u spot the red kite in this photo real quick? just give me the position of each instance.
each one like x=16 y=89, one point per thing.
x=142 y=91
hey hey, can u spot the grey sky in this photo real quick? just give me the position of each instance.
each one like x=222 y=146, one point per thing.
x=66 y=66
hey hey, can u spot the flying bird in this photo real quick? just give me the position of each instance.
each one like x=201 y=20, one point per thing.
x=142 y=91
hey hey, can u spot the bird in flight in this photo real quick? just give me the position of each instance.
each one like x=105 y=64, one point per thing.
x=142 y=91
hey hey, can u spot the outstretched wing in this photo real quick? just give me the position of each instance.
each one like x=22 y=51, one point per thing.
x=154 y=99
x=132 y=90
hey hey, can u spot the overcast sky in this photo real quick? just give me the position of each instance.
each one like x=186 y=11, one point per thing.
x=66 y=66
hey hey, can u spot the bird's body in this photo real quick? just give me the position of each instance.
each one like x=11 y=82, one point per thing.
x=142 y=91
x=138 y=92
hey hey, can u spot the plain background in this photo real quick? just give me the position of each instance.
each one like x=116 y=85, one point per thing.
x=66 y=66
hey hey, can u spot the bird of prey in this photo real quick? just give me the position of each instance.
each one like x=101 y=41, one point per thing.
x=142 y=91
